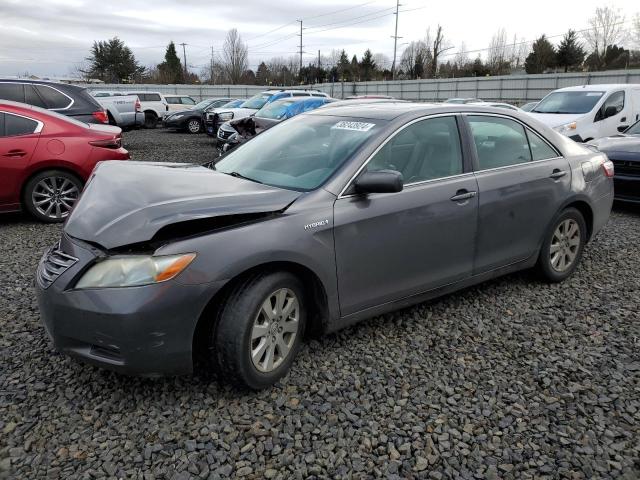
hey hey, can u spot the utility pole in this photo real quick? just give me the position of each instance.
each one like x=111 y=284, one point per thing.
x=395 y=42
x=211 y=69
x=300 y=71
x=184 y=55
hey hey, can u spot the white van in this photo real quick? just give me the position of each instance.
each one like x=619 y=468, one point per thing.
x=588 y=112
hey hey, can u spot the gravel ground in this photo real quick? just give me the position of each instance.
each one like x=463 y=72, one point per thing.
x=512 y=379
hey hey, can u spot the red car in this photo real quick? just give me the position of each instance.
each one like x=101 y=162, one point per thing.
x=45 y=159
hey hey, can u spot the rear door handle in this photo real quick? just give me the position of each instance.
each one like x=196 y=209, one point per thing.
x=462 y=195
x=15 y=153
x=557 y=174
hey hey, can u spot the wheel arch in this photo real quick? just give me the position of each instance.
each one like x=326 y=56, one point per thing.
x=585 y=209
x=315 y=292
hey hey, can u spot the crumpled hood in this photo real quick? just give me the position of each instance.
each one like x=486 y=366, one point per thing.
x=128 y=202
x=556 y=119
x=618 y=143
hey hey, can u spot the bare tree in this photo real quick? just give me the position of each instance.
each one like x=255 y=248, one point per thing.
x=462 y=57
x=497 y=55
x=605 y=28
x=635 y=31
x=235 y=55
x=517 y=52
x=438 y=46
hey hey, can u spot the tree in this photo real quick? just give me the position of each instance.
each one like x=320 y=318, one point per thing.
x=235 y=55
x=171 y=70
x=497 y=59
x=367 y=66
x=354 y=69
x=542 y=56
x=436 y=51
x=570 y=52
x=262 y=74
x=614 y=58
x=605 y=28
x=343 y=65
x=113 y=62
x=635 y=31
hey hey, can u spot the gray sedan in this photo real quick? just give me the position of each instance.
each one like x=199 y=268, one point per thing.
x=329 y=218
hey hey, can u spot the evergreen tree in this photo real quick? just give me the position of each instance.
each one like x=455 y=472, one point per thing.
x=542 y=56
x=570 y=52
x=354 y=69
x=262 y=74
x=343 y=66
x=113 y=62
x=367 y=66
x=171 y=70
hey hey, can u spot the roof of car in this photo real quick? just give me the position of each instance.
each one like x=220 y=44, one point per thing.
x=40 y=82
x=391 y=110
x=596 y=87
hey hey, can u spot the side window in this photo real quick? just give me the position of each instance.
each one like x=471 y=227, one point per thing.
x=15 y=125
x=12 y=91
x=426 y=150
x=188 y=101
x=500 y=142
x=299 y=94
x=611 y=106
x=173 y=100
x=53 y=99
x=32 y=98
x=153 y=97
x=540 y=150
x=1 y=124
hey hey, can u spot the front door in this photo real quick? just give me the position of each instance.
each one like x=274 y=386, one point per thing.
x=393 y=245
x=522 y=183
x=18 y=139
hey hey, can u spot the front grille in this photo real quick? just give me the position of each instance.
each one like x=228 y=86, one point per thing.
x=224 y=134
x=622 y=167
x=53 y=264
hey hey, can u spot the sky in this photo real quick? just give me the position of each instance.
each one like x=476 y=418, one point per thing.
x=52 y=37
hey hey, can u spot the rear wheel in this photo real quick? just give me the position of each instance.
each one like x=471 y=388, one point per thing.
x=150 y=120
x=260 y=328
x=194 y=126
x=50 y=195
x=562 y=249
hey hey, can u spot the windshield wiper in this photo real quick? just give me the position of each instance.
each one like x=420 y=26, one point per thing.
x=239 y=175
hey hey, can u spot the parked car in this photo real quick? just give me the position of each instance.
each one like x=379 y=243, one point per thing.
x=590 y=112
x=69 y=100
x=178 y=103
x=331 y=217
x=463 y=100
x=46 y=157
x=154 y=106
x=125 y=111
x=623 y=150
x=236 y=132
x=508 y=106
x=191 y=120
x=217 y=117
x=527 y=107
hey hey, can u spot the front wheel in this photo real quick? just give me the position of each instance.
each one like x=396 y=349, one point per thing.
x=50 y=195
x=260 y=329
x=562 y=249
x=194 y=126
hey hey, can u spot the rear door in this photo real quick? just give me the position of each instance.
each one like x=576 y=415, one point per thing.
x=393 y=245
x=18 y=140
x=522 y=182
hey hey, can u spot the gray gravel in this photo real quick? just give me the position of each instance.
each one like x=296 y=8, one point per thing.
x=512 y=379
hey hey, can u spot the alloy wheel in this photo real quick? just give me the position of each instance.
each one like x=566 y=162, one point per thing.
x=274 y=331
x=565 y=245
x=54 y=197
x=193 y=126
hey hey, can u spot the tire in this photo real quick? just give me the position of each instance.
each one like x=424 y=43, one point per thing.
x=150 y=120
x=243 y=361
x=50 y=195
x=562 y=249
x=194 y=126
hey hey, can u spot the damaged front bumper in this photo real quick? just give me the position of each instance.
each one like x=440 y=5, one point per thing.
x=146 y=330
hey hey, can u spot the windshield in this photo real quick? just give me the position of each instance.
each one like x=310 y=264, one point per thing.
x=301 y=153
x=275 y=110
x=257 y=101
x=568 y=102
x=234 y=104
x=634 y=129
x=202 y=105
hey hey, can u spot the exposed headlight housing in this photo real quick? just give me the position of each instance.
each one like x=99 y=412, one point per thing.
x=225 y=116
x=566 y=129
x=134 y=270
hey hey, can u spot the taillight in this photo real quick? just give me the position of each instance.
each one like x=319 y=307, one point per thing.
x=113 y=143
x=101 y=116
x=607 y=166
x=138 y=106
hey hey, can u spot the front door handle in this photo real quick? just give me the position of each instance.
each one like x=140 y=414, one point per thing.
x=15 y=153
x=462 y=195
x=556 y=174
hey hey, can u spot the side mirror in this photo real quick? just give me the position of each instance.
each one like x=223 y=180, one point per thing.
x=610 y=111
x=381 y=181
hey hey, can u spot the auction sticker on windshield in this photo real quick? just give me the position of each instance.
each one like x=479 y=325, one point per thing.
x=358 y=126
